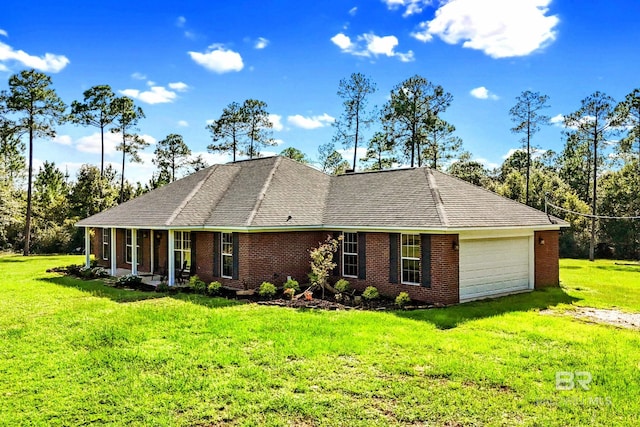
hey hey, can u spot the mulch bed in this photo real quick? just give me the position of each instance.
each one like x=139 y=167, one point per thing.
x=321 y=304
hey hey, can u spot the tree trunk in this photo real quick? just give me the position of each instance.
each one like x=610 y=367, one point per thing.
x=124 y=154
x=27 y=222
x=592 y=241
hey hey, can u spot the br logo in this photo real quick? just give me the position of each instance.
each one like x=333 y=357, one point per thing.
x=569 y=380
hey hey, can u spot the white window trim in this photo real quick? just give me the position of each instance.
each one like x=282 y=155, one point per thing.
x=344 y=253
x=179 y=236
x=106 y=237
x=130 y=245
x=402 y=258
x=223 y=255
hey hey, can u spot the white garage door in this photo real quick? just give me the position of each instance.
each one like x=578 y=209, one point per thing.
x=490 y=267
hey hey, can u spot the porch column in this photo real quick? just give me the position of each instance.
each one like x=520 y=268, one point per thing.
x=112 y=248
x=87 y=247
x=134 y=251
x=152 y=265
x=171 y=273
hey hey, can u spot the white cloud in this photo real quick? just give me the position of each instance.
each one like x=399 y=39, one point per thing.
x=483 y=93
x=278 y=141
x=181 y=21
x=557 y=120
x=156 y=95
x=411 y=6
x=62 y=139
x=347 y=154
x=353 y=11
x=313 y=122
x=3 y=67
x=261 y=43
x=276 y=122
x=179 y=86
x=218 y=59
x=138 y=76
x=48 y=63
x=3 y=33
x=342 y=41
x=91 y=143
x=499 y=28
x=369 y=45
x=183 y=123
x=486 y=163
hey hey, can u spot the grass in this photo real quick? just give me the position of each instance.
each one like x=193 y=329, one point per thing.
x=75 y=352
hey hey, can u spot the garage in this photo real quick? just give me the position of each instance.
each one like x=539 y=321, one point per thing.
x=492 y=267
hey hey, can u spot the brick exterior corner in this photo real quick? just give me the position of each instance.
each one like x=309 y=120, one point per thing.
x=547 y=267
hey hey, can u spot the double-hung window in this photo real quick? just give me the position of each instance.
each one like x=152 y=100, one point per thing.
x=411 y=259
x=226 y=250
x=129 y=247
x=182 y=249
x=106 y=238
x=350 y=254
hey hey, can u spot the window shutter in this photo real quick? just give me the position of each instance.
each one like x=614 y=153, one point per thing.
x=362 y=256
x=394 y=239
x=193 y=252
x=216 y=254
x=236 y=252
x=425 y=260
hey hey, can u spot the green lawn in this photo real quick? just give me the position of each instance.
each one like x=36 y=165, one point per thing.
x=74 y=352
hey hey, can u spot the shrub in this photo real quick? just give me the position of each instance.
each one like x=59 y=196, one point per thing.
x=197 y=285
x=214 y=288
x=99 y=272
x=291 y=284
x=130 y=280
x=85 y=272
x=267 y=290
x=289 y=292
x=162 y=287
x=342 y=285
x=370 y=293
x=402 y=299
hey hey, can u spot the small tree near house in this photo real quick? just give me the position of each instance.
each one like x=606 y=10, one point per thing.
x=322 y=264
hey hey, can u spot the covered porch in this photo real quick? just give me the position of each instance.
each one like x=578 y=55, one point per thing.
x=154 y=255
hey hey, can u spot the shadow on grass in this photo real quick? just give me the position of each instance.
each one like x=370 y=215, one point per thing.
x=97 y=288
x=625 y=267
x=451 y=317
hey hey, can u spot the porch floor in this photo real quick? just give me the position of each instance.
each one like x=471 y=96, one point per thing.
x=146 y=276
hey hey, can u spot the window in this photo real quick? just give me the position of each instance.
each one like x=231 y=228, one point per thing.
x=411 y=259
x=226 y=250
x=129 y=246
x=350 y=254
x=106 y=237
x=182 y=249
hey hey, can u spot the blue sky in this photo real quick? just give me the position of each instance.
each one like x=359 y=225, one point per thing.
x=184 y=62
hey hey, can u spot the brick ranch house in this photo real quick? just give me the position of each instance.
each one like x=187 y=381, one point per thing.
x=418 y=230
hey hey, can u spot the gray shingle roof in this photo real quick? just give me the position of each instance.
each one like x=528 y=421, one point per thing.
x=279 y=192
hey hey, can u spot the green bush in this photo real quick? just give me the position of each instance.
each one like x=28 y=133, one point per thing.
x=197 y=285
x=291 y=284
x=342 y=286
x=130 y=280
x=402 y=299
x=214 y=288
x=162 y=287
x=267 y=290
x=370 y=293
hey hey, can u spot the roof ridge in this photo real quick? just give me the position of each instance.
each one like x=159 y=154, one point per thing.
x=263 y=191
x=437 y=197
x=192 y=193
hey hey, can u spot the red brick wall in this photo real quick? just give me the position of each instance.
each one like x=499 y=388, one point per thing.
x=444 y=270
x=547 y=268
x=203 y=263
